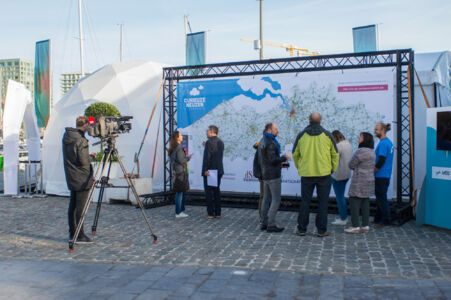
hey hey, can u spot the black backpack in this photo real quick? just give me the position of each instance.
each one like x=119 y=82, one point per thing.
x=257 y=171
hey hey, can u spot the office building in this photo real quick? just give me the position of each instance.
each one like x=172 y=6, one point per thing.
x=68 y=80
x=17 y=69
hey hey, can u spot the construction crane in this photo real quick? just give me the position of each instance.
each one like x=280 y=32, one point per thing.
x=288 y=47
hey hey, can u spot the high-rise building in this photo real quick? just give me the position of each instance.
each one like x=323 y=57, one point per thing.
x=68 y=80
x=19 y=70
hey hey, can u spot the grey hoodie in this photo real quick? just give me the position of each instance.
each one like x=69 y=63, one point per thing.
x=345 y=151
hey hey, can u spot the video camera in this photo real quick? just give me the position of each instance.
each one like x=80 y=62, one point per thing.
x=106 y=127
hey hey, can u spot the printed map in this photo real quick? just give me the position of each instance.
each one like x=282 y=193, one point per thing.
x=241 y=123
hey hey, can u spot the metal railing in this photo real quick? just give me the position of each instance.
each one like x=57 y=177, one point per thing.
x=33 y=179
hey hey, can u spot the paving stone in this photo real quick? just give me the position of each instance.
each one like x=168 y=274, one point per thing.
x=204 y=296
x=153 y=294
x=123 y=296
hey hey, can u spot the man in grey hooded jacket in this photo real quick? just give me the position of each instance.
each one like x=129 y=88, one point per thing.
x=79 y=174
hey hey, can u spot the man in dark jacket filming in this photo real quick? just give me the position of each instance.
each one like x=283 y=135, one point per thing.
x=79 y=174
x=271 y=168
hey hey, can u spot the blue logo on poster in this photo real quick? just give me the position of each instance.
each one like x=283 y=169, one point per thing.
x=196 y=98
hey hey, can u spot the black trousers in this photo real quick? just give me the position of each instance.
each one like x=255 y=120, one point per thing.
x=322 y=185
x=383 y=207
x=77 y=202
x=213 y=198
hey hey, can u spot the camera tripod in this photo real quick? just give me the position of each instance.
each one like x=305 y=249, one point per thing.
x=107 y=158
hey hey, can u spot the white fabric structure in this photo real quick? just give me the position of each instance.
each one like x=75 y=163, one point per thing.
x=434 y=72
x=130 y=86
x=18 y=107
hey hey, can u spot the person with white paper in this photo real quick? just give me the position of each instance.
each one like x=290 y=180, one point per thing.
x=212 y=171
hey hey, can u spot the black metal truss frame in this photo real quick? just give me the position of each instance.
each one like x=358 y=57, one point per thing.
x=402 y=60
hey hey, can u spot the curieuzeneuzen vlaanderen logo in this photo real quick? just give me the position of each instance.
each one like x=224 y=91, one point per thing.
x=249 y=176
x=441 y=173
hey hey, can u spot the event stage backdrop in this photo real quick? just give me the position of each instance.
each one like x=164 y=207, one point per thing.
x=350 y=101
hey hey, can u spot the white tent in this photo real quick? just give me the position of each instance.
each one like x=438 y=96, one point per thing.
x=18 y=108
x=434 y=72
x=130 y=86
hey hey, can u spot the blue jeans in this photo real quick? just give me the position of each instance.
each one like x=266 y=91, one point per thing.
x=179 y=203
x=339 y=189
x=383 y=207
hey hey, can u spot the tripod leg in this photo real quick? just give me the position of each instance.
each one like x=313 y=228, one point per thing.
x=103 y=183
x=135 y=193
x=85 y=208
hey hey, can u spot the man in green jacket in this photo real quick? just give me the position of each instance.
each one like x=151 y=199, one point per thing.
x=316 y=158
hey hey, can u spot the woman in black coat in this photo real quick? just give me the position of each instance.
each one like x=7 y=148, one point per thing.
x=179 y=162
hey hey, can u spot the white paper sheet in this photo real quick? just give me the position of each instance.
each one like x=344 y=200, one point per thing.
x=212 y=179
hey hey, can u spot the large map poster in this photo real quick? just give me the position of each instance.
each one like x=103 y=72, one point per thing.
x=349 y=101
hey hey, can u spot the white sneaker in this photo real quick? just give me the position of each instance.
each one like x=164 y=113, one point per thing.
x=181 y=215
x=365 y=229
x=352 y=230
x=340 y=222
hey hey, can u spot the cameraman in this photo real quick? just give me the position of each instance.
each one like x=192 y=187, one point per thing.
x=271 y=164
x=79 y=174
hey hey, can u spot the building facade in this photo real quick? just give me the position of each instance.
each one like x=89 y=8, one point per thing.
x=19 y=70
x=68 y=80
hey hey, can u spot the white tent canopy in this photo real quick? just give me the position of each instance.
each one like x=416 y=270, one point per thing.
x=434 y=72
x=18 y=107
x=130 y=86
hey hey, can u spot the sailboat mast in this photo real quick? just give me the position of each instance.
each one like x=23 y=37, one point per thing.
x=80 y=26
x=122 y=43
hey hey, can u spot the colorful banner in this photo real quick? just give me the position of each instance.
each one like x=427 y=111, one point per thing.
x=240 y=108
x=42 y=82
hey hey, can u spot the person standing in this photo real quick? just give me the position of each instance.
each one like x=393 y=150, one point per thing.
x=212 y=160
x=382 y=172
x=179 y=161
x=258 y=174
x=362 y=183
x=79 y=174
x=315 y=157
x=270 y=163
x=341 y=176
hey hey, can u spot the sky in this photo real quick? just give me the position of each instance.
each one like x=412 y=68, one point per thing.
x=154 y=30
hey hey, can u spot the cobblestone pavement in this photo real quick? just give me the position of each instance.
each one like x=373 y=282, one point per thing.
x=198 y=258
x=36 y=229
x=68 y=280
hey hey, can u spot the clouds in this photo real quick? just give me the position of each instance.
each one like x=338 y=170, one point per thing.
x=195 y=91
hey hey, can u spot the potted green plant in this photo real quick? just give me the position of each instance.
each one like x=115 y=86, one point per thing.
x=97 y=110
x=102 y=109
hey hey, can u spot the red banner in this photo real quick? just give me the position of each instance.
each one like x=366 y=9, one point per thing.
x=363 y=88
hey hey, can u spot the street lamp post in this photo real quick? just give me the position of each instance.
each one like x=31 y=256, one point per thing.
x=261 y=29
